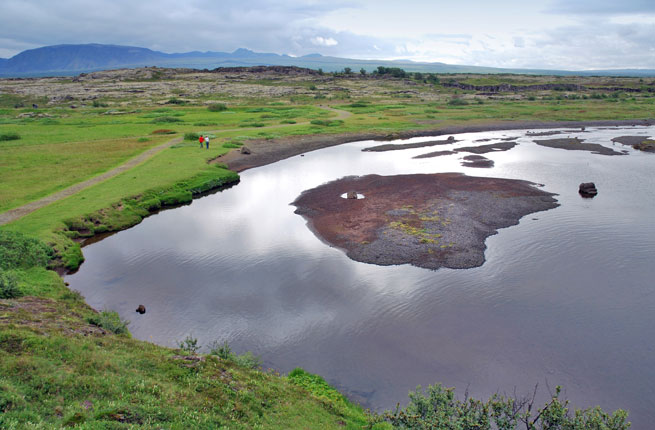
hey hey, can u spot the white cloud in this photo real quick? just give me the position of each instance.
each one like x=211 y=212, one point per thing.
x=323 y=41
x=561 y=34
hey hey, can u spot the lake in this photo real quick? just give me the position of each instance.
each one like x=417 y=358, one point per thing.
x=566 y=297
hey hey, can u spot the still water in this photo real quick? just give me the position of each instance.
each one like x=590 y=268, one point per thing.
x=567 y=297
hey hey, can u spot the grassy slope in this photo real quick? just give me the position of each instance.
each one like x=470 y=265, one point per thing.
x=57 y=368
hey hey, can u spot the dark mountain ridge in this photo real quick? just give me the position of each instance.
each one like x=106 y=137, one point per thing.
x=66 y=60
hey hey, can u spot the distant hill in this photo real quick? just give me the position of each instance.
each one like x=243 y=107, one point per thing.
x=66 y=60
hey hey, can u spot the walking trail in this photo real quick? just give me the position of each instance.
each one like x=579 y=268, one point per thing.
x=21 y=211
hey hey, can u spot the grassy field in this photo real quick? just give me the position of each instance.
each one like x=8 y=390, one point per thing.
x=64 y=364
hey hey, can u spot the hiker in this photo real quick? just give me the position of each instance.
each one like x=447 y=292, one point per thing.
x=207 y=141
x=201 y=139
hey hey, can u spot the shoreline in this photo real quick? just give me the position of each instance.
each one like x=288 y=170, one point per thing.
x=264 y=152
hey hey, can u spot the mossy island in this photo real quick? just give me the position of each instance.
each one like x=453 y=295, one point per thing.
x=427 y=220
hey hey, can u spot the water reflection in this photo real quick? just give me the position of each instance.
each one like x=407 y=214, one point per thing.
x=566 y=296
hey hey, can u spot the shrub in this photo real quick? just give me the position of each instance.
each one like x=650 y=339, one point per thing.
x=110 y=321
x=9 y=136
x=20 y=251
x=189 y=344
x=175 y=101
x=8 y=286
x=249 y=360
x=457 y=101
x=191 y=136
x=326 y=122
x=217 y=107
x=223 y=350
x=165 y=119
x=98 y=103
x=438 y=408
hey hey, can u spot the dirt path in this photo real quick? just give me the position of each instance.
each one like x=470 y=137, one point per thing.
x=21 y=211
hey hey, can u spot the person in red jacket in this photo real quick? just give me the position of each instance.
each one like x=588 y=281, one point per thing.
x=201 y=140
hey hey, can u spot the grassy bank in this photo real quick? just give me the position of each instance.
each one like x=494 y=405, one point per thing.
x=64 y=364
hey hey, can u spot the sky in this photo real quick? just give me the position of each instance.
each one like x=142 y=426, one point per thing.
x=546 y=34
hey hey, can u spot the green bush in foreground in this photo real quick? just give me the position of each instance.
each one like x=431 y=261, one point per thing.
x=437 y=408
x=20 y=251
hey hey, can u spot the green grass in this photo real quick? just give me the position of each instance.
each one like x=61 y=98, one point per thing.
x=59 y=370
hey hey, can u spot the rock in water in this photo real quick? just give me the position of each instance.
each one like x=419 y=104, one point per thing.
x=141 y=309
x=588 y=189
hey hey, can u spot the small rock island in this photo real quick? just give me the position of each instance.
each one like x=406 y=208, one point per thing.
x=427 y=220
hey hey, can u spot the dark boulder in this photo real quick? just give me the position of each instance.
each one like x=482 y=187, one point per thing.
x=588 y=189
x=141 y=309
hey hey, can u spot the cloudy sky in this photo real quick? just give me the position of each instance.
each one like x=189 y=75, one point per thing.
x=556 y=34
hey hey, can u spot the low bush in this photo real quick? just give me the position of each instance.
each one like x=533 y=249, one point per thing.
x=110 y=321
x=191 y=136
x=20 y=251
x=223 y=350
x=189 y=345
x=8 y=286
x=326 y=122
x=437 y=408
x=217 y=107
x=165 y=119
x=9 y=136
x=457 y=101
x=175 y=101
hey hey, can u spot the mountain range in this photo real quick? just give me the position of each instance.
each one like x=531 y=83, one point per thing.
x=67 y=60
